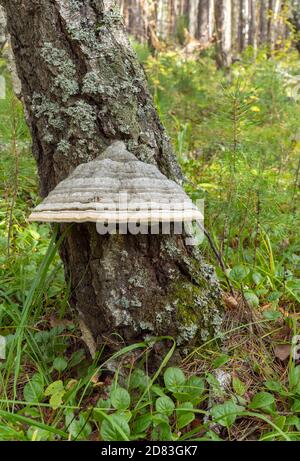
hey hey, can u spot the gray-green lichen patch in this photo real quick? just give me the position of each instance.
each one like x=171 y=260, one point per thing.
x=83 y=116
x=63 y=69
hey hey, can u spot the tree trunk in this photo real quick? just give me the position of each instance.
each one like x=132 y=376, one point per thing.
x=295 y=21
x=263 y=22
x=193 y=18
x=244 y=24
x=83 y=88
x=253 y=24
x=204 y=21
x=223 y=25
x=2 y=29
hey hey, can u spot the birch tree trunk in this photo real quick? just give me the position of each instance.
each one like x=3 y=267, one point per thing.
x=205 y=21
x=253 y=24
x=223 y=25
x=244 y=24
x=84 y=88
x=193 y=17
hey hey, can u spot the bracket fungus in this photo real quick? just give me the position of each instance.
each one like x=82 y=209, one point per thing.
x=117 y=188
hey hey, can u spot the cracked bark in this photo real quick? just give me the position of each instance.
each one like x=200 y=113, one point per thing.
x=83 y=88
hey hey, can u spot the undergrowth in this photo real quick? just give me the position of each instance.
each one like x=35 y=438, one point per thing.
x=237 y=139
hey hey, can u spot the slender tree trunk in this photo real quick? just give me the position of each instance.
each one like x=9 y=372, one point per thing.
x=253 y=24
x=204 y=21
x=83 y=89
x=244 y=24
x=295 y=21
x=223 y=25
x=235 y=29
x=2 y=29
x=193 y=18
x=263 y=22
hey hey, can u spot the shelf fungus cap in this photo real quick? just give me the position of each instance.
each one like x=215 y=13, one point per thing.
x=116 y=188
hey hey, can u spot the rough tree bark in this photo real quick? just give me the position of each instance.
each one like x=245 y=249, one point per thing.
x=83 y=88
x=223 y=30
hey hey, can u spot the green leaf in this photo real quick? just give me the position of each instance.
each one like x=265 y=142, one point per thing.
x=139 y=380
x=296 y=406
x=34 y=390
x=221 y=360
x=78 y=428
x=262 y=400
x=272 y=315
x=76 y=358
x=184 y=416
x=165 y=405
x=9 y=434
x=225 y=413
x=142 y=423
x=120 y=398
x=257 y=278
x=251 y=298
x=274 y=386
x=294 y=379
x=238 y=387
x=192 y=390
x=60 y=364
x=114 y=429
x=239 y=273
x=174 y=379
x=56 y=390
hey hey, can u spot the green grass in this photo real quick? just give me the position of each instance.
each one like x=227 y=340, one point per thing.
x=236 y=137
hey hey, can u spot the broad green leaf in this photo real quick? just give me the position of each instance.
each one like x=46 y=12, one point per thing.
x=238 y=387
x=225 y=413
x=262 y=400
x=165 y=405
x=251 y=298
x=142 y=423
x=184 y=416
x=60 y=364
x=114 y=429
x=120 y=398
x=239 y=273
x=294 y=379
x=139 y=380
x=34 y=390
x=174 y=379
x=56 y=390
x=55 y=387
x=221 y=360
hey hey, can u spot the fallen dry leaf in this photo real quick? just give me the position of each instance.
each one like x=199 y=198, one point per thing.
x=282 y=351
x=230 y=302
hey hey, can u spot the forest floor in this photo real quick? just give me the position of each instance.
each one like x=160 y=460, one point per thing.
x=237 y=139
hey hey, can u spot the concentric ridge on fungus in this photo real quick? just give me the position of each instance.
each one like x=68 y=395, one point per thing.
x=116 y=188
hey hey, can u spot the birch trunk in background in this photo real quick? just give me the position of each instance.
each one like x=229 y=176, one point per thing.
x=253 y=24
x=206 y=21
x=84 y=88
x=235 y=19
x=193 y=18
x=244 y=24
x=2 y=29
x=223 y=26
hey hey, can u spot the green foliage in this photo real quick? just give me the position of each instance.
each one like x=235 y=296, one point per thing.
x=236 y=137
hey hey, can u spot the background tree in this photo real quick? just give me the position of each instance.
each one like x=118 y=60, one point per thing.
x=223 y=31
x=84 y=88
